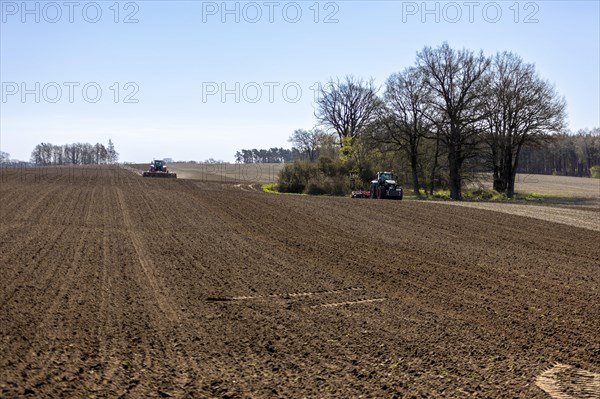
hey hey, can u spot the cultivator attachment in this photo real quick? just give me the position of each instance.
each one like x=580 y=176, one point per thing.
x=159 y=174
x=158 y=168
x=361 y=194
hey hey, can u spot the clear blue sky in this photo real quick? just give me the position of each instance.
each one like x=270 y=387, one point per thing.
x=178 y=57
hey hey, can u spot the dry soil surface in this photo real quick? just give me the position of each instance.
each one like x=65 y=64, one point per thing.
x=118 y=286
x=587 y=217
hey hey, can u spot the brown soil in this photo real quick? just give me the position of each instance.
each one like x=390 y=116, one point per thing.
x=118 y=286
x=587 y=217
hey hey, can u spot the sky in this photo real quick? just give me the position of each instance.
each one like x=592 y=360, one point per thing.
x=192 y=80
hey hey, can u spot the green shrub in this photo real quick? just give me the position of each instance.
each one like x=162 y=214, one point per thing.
x=441 y=194
x=294 y=177
x=482 y=195
x=327 y=166
x=316 y=187
x=339 y=186
x=323 y=178
x=270 y=188
x=472 y=195
x=595 y=172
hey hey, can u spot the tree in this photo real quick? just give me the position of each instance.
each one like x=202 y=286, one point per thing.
x=4 y=157
x=347 y=106
x=57 y=155
x=112 y=154
x=73 y=153
x=521 y=108
x=456 y=80
x=307 y=141
x=87 y=154
x=403 y=116
x=42 y=154
x=239 y=158
x=100 y=153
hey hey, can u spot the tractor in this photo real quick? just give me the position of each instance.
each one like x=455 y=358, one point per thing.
x=385 y=186
x=158 y=168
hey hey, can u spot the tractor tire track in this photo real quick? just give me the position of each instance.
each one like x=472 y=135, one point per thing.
x=148 y=268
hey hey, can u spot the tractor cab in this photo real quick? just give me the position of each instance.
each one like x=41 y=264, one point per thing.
x=386 y=177
x=158 y=165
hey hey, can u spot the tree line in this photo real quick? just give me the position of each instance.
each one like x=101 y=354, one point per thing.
x=451 y=116
x=565 y=154
x=308 y=145
x=272 y=155
x=45 y=154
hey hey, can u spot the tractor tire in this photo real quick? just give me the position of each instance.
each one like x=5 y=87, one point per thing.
x=381 y=192
x=373 y=195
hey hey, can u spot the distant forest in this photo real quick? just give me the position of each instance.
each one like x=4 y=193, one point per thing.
x=563 y=154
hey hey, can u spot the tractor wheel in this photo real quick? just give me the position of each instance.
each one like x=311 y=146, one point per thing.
x=372 y=193
x=381 y=192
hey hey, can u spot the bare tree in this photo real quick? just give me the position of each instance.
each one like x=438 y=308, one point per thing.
x=112 y=155
x=87 y=154
x=100 y=153
x=73 y=153
x=521 y=108
x=307 y=141
x=456 y=80
x=403 y=116
x=36 y=155
x=57 y=155
x=347 y=106
x=4 y=157
x=42 y=154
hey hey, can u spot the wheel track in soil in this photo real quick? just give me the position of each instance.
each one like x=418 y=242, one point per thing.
x=108 y=349
x=166 y=320
x=159 y=292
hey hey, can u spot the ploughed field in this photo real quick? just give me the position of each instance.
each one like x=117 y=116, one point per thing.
x=118 y=286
